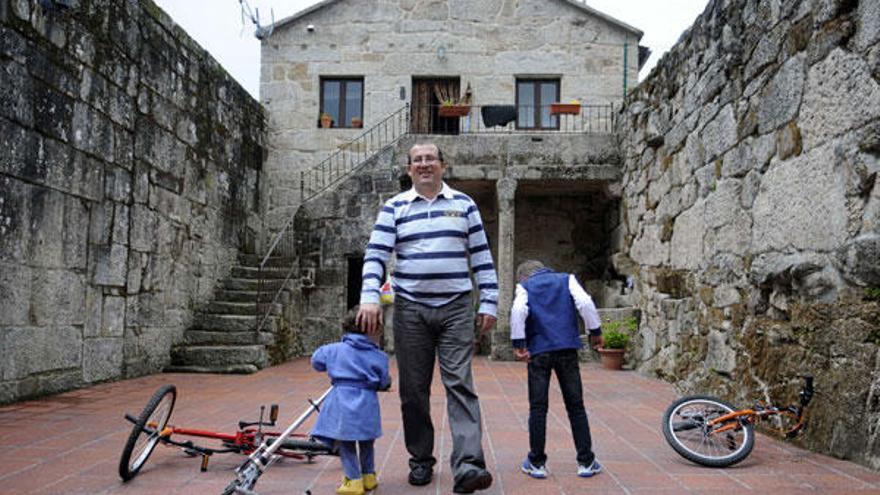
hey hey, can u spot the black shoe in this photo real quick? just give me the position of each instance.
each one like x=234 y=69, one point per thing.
x=476 y=479
x=420 y=475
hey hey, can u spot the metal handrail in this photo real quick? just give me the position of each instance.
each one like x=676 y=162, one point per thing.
x=330 y=171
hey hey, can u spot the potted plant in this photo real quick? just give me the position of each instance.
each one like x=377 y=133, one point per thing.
x=449 y=108
x=357 y=122
x=326 y=120
x=572 y=108
x=615 y=336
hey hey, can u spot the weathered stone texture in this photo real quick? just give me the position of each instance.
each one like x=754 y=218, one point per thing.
x=128 y=156
x=766 y=275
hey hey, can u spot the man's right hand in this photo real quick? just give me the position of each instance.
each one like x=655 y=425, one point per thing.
x=521 y=354
x=369 y=318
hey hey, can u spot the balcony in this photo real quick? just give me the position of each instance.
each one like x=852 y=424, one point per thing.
x=509 y=119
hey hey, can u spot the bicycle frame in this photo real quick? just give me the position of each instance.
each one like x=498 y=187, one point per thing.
x=759 y=412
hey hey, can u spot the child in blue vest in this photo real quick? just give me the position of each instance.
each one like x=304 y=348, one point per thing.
x=349 y=418
x=544 y=330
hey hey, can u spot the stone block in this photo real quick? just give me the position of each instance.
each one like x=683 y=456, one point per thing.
x=53 y=111
x=801 y=205
x=75 y=236
x=686 y=251
x=841 y=82
x=16 y=102
x=93 y=311
x=15 y=293
x=46 y=222
x=117 y=184
x=120 y=232
x=110 y=265
x=31 y=350
x=720 y=134
x=781 y=98
x=100 y=222
x=113 y=316
x=102 y=359
x=57 y=297
x=860 y=260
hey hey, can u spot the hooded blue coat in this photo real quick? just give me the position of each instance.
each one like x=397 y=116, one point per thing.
x=357 y=369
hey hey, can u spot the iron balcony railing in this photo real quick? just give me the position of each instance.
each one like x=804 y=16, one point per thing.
x=508 y=119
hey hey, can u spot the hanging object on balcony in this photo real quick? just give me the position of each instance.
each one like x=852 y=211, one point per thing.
x=573 y=108
x=500 y=115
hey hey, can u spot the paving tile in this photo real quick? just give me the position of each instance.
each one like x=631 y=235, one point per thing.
x=70 y=443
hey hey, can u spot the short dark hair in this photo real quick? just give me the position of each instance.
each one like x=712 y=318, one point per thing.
x=439 y=152
x=349 y=321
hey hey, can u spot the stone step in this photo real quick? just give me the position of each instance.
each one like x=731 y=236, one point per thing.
x=223 y=295
x=247 y=308
x=208 y=338
x=230 y=323
x=619 y=313
x=271 y=285
x=236 y=369
x=213 y=356
x=255 y=274
x=254 y=260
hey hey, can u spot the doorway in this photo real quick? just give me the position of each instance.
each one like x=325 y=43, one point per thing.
x=428 y=94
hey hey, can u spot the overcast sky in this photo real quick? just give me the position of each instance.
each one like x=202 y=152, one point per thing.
x=217 y=26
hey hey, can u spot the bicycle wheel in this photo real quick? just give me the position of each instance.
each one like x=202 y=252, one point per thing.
x=145 y=433
x=687 y=430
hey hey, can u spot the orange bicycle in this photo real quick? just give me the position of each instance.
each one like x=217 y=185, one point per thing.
x=713 y=433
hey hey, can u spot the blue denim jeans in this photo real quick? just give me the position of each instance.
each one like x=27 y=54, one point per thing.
x=568 y=372
x=357 y=458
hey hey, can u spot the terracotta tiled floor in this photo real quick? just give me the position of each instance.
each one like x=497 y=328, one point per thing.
x=70 y=443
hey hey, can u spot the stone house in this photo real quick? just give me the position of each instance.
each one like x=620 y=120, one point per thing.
x=547 y=183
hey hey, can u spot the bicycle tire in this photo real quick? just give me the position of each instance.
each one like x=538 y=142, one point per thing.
x=698 y=446
x=306 y=446
x=155 y=416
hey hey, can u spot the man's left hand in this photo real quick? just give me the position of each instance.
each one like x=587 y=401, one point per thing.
x=485 y=322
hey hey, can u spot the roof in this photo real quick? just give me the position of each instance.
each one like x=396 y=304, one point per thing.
x=574 y=3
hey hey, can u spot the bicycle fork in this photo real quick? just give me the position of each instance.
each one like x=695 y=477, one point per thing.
x=250 y=470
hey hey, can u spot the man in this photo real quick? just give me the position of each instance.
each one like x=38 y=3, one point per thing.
x=544 y=331
x=438 y=237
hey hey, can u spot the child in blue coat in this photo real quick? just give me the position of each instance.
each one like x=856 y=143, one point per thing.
x=350 y=416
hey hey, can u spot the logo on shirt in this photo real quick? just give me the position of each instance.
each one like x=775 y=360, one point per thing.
x=453 y=213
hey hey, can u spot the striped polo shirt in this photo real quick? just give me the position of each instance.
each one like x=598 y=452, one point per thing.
x=438 y=244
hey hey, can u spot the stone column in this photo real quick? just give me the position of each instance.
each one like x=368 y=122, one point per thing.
x=506 y=193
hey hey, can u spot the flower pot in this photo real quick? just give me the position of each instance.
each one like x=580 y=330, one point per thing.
x=612 y=359
x=454 y=110
x=565 y=108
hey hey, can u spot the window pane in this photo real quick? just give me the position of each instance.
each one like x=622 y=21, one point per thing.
x=526 y=115
x=354 y=91
x=548 y=96
x=331 y=100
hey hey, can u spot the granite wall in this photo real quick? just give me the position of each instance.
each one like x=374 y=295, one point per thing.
x=129 y=169
x=751 y=209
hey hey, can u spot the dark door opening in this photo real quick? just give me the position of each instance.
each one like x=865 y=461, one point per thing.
x=428 y=95
x=354 y=281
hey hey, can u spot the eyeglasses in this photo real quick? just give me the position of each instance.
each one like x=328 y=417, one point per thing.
x=427 y=160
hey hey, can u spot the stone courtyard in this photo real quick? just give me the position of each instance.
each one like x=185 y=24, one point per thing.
x=70 y=443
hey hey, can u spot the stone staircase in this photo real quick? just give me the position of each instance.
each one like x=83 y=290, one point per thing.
x=222 y=337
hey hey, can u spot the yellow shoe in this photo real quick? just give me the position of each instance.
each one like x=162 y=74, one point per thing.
x=351 y=487
x=370 y=481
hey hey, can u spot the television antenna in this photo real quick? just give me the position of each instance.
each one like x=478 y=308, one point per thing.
x=260 y=31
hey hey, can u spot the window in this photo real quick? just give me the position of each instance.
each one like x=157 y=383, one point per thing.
x=533 y=99
x=343 y=100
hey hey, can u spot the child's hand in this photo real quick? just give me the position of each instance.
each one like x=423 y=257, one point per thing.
x=521 y=354
x=596 y=341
